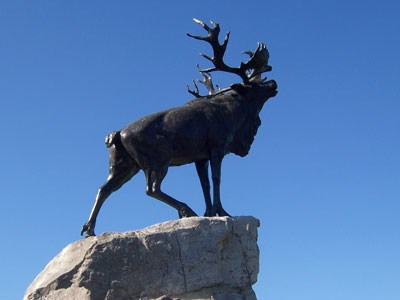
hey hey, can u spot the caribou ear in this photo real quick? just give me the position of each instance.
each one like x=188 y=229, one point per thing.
x=239 y=87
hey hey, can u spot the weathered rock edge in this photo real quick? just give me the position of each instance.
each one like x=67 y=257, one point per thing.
x=191 y=258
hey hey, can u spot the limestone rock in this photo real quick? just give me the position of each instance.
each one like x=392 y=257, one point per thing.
x=192 y=258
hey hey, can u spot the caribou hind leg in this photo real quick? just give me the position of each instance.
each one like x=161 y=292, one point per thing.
x=114 y=181
x=202 y=171
x=154 y=178
x=122 y=169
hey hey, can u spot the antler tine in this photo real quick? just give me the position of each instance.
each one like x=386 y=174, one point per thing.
x=204 y=25
x=208 y=57
x=211 y=31
x=207 y=81
x=249 y=52
x=196 y=90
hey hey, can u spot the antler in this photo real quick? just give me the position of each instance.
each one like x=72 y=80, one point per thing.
x=258 y=60
x=207 y=81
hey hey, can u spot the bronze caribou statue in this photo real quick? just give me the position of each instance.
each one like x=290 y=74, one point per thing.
x=202 y=131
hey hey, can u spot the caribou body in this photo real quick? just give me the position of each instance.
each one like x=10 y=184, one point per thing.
x=202 y=131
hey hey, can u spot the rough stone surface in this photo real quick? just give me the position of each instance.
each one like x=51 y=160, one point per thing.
x=192 y=258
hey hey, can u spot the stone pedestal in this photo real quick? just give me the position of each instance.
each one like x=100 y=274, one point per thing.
x=191 y=258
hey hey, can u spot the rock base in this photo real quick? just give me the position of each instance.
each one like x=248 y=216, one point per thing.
x=192 y=258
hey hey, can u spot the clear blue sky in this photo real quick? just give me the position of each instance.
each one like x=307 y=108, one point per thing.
x=323 y=175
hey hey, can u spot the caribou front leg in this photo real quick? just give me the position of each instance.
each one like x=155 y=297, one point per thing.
x=202 y=171
x=216 y=161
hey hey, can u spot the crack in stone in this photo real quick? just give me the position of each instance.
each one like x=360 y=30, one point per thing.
x=85 y=257
x=244 y=254
x=180 y=259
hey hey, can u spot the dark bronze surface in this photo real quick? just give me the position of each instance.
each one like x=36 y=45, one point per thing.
x=202 y=131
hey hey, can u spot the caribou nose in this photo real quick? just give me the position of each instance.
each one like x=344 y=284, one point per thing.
x=272 y=84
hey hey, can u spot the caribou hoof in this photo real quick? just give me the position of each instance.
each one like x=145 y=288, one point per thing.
x=208 y=213
x=186 y=211
x=88 y=229
x=220 y=211
x=223 y=213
